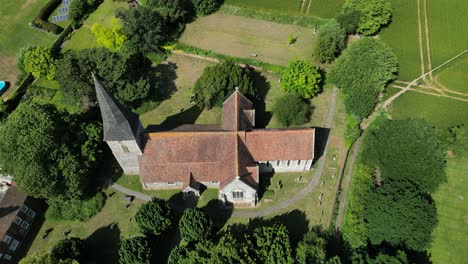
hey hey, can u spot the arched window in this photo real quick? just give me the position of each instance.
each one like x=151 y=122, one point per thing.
x=238 y=194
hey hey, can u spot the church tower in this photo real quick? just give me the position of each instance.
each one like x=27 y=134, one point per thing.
x=122 y=130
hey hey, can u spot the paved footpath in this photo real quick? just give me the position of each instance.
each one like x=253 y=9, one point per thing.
x=275 y=208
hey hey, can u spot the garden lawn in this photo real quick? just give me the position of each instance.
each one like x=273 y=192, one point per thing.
x=447 y=29
x=104 y=15
x=96 y=231
x=451 y=233
x=15 y=34
x=441 y=111
x=455 y=76
x=402 y=36
x=242 y=37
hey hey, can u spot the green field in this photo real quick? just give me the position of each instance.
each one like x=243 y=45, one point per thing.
x=402 y=36
x=320 y=8
x=448 y=29
x=455 y=76
x=440 y=111
x=451 y=234
x=15 y=34
x=236 y=36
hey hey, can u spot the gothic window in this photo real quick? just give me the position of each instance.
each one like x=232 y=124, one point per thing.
x=238 y=194
x=277 y=163
x=124 y=148
x=289 y=163
x=299 y=162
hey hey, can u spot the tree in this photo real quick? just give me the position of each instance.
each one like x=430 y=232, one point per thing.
x=330 y=41
x=303 y=78
x=374 y=14
x=361 y=73
x=398 y=213
x=41 y=148
x=407 y=150
x=352 y=131
x=40 y=62
x=112 y=39
x=291 y=110
x=154 y=217
x=349 y=20
x=144 y=29
x=173 y=10
x=311 y=249
x=398 y=258
x=270 y=244
x=45 y=258
x=135 y=251
x=195 y=225
x=218 y=82
x=68 y=248
x=206 y=7
x=78 y=9
x=177 y=254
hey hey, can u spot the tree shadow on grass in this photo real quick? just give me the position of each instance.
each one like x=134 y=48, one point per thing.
x=103 y=245
x=185 y=116
x=262 y=117
x=166 y=79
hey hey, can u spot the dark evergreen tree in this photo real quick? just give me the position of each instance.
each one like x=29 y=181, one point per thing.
x=195 y=225
x=135 y=251
x=68 y=248
x=330 y=41
x=291 y=110
x=154 y=217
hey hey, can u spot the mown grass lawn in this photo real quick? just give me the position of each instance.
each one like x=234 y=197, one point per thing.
x=15 y=34
x=451 y=234
x=440 y=111
x=96 y=231
x=242 y=37
x=402 y=36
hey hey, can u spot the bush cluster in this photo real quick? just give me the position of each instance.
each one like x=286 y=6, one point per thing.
x=81 y=210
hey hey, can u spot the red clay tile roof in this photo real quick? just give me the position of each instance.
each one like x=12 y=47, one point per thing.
x=278 y=144
x=238 y=113
x=9 y=208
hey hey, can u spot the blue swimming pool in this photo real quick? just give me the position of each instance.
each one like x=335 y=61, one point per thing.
x=2 y=85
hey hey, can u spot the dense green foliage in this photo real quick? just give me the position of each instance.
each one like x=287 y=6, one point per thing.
x=44 y=150
x=135 y=251
x=311 y=249
x=408 y=150
x=206 y=7
x=460 y=142
x=353 y=130
x=330 y=41
x=45 y=258
x=112 y=39
x=195 y=225
x=68 y=248
x=374 y=14
x=349 y=20
x=154 y=217
x=361 y=72
x=127 y=78
x=172 y=10
x=302 y=78
x=145 y=30
x=42 y=17
x=218 y=82
x=399 y=214
x=80 y=9
x=76 y=209
x=291 y=110
x=270 y=245
x=39 y=61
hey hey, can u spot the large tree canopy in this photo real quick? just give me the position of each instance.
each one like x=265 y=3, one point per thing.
x=195 y=225
x=291 y=110
x=154 y=217
x=39 y=61
x=408 y=150
x=206 y=7
x=219 y=81
x=330 y=41
x=112 y=39
x=398 y=213
x=172 y=10
x=361 y=72
x=373 y=14
x=42 y=149
x=135 y=251
x=128 y=78
x=302 y=78
x=311 y=249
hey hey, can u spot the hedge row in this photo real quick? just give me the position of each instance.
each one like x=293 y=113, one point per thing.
x=41 y=20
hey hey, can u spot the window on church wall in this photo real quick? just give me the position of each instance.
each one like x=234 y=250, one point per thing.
x=125 y=148
x=238 y=194
x=277 y=163
x=170 y=183
x=289 y=163
x=299 y=162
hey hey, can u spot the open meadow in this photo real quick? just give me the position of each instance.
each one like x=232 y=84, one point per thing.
x=15 y=34
x=243 y=37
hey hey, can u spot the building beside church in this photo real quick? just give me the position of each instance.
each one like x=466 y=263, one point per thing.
x=192 y=157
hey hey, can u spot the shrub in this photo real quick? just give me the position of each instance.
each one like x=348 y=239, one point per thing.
x=218 y=82
x=112 y=39
x=154 y=217
x=206 y=7
x=195 y=225
x=76 y=209
x=349 y=20
x=302 y=78
x=373 y=14
x=135 y=251
x=353 y=130
x=330 y=42
x=291 y=110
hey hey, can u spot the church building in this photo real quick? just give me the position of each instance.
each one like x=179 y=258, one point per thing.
x=193 y=157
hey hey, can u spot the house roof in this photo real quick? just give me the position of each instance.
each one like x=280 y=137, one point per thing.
x=207 y=154
x=9 y=207
x=238 y=113
x=118 y=123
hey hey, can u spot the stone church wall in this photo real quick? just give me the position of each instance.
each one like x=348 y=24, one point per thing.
x=284 y=165
x=127 y=153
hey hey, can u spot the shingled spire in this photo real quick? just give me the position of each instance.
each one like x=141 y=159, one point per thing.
x=122 y=129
